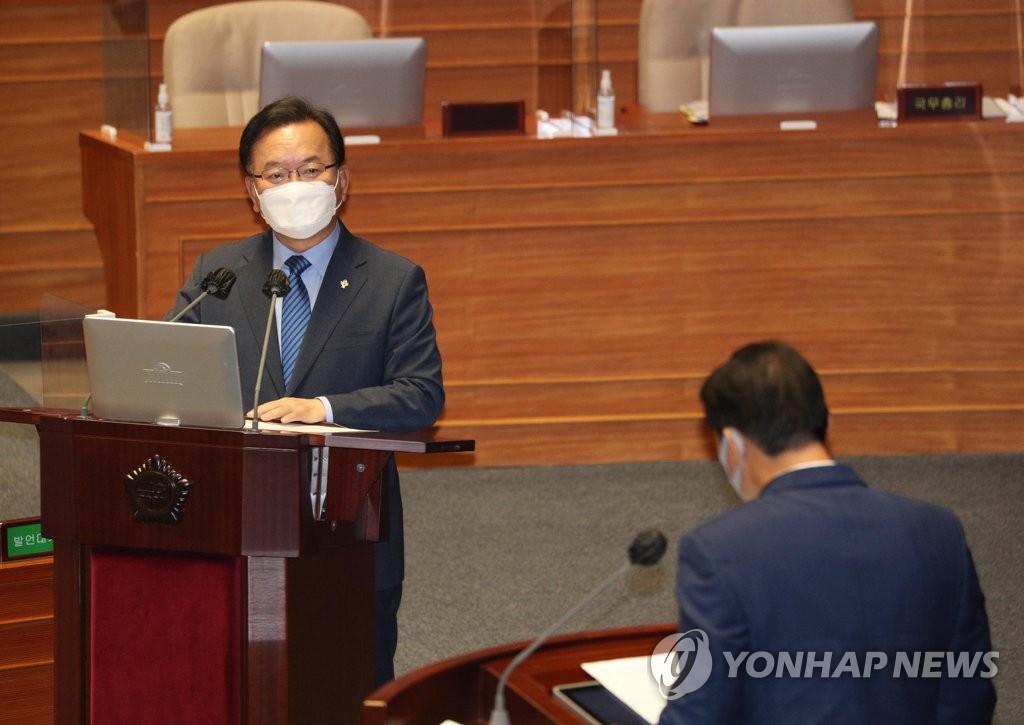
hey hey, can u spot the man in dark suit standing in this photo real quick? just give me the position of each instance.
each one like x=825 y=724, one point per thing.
x=817 y=595
x=355 y=341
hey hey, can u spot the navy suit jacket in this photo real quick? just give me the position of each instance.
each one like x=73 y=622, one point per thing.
x=370 y=347
x=822 y=563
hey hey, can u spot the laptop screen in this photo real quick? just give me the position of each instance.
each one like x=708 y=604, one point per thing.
x=171 y=373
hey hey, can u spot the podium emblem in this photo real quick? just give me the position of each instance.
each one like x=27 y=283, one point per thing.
x=157 y=492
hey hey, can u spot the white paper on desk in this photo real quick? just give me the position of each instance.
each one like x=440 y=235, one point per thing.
x=324 y=428
x=630 y=680
x=696 y=111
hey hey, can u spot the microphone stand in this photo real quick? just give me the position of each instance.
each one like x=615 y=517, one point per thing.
x=647 y=549
x=217 y=283
x=277 y=285
x=499 y=715
x=263 y=362
x=191 y=304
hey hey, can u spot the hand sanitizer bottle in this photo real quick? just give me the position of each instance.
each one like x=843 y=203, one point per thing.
x=605 y=103
x=163 y=124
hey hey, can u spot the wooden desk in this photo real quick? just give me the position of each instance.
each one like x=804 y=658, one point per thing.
x=26 y=640
x=462 y=688
x=583 y=288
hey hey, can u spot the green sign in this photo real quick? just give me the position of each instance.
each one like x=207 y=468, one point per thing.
x=25 y=539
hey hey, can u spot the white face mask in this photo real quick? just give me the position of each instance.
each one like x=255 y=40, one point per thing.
x=736 y=476
x=299 y=209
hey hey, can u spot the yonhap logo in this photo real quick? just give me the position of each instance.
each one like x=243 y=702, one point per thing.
x=681 y=663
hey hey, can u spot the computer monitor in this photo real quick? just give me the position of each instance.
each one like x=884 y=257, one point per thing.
x=798 y=70
x=370 y=83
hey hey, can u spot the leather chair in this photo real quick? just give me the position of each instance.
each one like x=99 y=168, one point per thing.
x=673 y=40
x=212 y=55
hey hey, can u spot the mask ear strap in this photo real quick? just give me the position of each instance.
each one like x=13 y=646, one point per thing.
x=731 y=436
x=741 y=448
x=342 y=199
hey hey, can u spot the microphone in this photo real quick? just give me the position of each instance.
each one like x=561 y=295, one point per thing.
x=277 y=285
x=647 y=549
x=217 y=283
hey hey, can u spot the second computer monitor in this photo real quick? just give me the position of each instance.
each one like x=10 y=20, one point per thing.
x=798 y=70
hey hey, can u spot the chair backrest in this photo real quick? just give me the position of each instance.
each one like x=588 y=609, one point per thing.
x=673 y=40
x=212 y=55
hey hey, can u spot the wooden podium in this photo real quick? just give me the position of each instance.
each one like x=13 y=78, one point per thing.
x=207 y=575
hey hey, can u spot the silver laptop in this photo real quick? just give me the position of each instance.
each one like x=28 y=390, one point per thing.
x=171 y=373
x=365 y=83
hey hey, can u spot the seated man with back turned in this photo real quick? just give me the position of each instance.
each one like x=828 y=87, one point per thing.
x=363 y=352
x=817 y=569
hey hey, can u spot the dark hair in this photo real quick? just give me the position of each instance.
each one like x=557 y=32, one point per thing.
x=285 y=112
x=769 y=393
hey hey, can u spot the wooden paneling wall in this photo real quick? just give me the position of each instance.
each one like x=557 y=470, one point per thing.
x=51 y=87
x=581 y=330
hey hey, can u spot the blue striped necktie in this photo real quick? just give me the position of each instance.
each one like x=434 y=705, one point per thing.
x=294 y=314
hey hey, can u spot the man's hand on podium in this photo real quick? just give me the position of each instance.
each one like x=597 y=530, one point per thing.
x=292 y=410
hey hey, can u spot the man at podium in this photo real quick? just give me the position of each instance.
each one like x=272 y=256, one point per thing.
x=821 y=600
x=355 y=342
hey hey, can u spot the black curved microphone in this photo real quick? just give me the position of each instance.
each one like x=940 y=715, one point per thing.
x=217 y=283
x=647 y=549
x=277 y=285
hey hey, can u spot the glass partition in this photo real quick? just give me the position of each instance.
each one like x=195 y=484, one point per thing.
x=543 y=52
x=550 y=53
x=42 y=365
x=584 y=57
x=947 y=41
x=64 y=374
x=20 y=387
x=126 y=65
x=920 y=41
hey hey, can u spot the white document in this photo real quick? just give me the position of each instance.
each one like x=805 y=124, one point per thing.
x=323 y=428
x=630 y=680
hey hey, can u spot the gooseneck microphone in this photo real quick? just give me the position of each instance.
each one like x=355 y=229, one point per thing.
x=277 y=285
x=217 y=283
x=647 y=549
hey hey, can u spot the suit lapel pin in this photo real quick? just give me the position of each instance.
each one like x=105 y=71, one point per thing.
x=344 y=284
